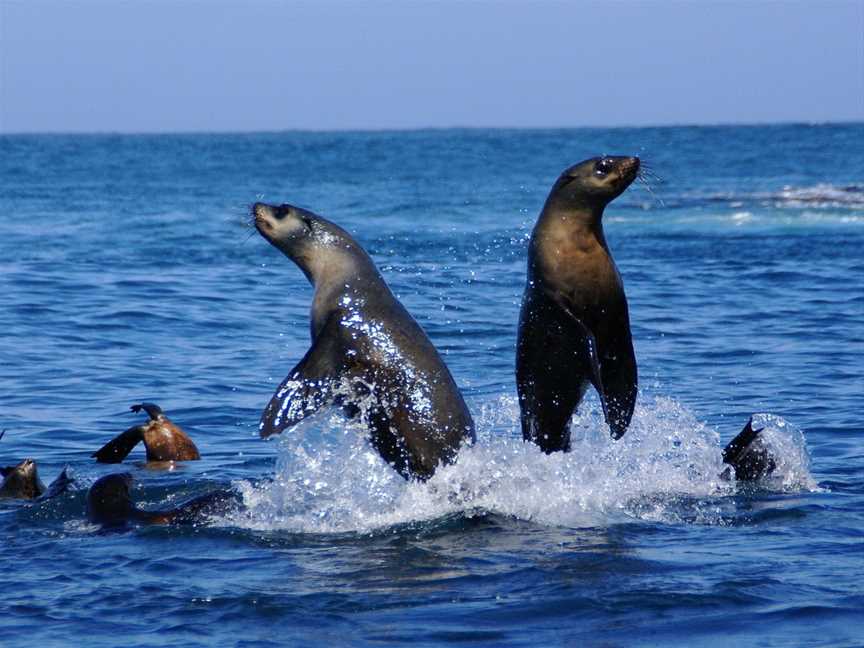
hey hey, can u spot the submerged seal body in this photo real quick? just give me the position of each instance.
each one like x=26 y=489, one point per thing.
x=367 y=354
x=574 y=326
x=109 y=503
x=163 y=440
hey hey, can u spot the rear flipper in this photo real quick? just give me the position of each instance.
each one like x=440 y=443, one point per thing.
x=58 y=486
x=748 y=455
x=117 y=448
x=152 y=409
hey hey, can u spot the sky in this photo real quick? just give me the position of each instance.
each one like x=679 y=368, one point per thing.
x=169 y=66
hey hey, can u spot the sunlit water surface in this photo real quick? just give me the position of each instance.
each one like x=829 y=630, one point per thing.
x=127 y=275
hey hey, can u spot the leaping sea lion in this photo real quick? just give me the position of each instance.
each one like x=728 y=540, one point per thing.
x=367 y=355
x=109 y=503
x=163 y=440
x=574 y=326
x=22 y=481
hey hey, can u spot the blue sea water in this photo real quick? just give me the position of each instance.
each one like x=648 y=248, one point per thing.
x=128 y=274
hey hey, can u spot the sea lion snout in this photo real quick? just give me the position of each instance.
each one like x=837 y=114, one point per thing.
x=630 y=167
x=280 y=222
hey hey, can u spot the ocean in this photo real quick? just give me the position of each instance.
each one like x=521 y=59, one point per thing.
x=129 y=274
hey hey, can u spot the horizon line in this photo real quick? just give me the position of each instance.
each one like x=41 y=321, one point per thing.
x=418 y=129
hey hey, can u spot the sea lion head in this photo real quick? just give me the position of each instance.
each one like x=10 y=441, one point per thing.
x=312 y=242
x=595 y=182
x=22 y=480
x=108 y=500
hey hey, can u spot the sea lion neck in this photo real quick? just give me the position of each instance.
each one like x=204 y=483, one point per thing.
x=346 y=288
x=579 y=221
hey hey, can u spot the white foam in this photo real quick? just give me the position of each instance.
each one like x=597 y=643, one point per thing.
x=666 y=468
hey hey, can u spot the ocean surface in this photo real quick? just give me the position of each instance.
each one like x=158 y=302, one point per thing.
x=128 y=273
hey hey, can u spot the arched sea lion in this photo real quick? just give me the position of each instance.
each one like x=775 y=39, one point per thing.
x=574 y=326
x=163 y=440
x=109 y=503
x=22 y=481
x=367 y=354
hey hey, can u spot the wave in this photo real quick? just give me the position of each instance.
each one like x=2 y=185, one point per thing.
x=818 y=196
x=666 y=469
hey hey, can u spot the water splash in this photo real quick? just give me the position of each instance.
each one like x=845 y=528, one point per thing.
x=666 y=468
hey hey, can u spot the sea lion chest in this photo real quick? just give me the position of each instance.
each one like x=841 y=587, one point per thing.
x=574 y=268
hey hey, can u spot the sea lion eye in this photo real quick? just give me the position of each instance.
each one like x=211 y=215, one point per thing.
x=604 y=166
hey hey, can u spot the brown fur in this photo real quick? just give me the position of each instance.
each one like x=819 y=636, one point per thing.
x=163 y=440
x=574 y=328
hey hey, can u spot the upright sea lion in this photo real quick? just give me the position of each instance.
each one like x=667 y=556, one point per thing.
x=574 y=327
x=163 y=440
x=22 y=481
x=367 y=354
x=109 y=503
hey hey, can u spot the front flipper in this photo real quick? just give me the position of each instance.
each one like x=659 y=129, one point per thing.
x=309 y=386
x=117 y=448
x=590 y=355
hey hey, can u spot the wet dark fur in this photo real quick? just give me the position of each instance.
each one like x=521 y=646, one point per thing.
x=365 y=343
x=748 y=455
x=109 y=503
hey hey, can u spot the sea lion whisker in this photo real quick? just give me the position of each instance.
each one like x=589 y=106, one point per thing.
x=644 y=182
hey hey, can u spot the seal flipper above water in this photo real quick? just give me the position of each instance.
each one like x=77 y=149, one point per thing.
x=309 y=385
x=116 y=450
x=58 y=486
x=748 y=455
x=152 y=409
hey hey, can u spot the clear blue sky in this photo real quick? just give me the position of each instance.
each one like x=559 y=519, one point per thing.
x=242 y=66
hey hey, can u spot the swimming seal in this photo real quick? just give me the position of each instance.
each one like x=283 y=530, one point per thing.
x=574 y=326
x=367 y=355
x=163 y=440
x=110 y=504
x=22 y=481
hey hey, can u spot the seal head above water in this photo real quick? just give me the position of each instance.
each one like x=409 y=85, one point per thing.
x=21 y=481
x=367 y=355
